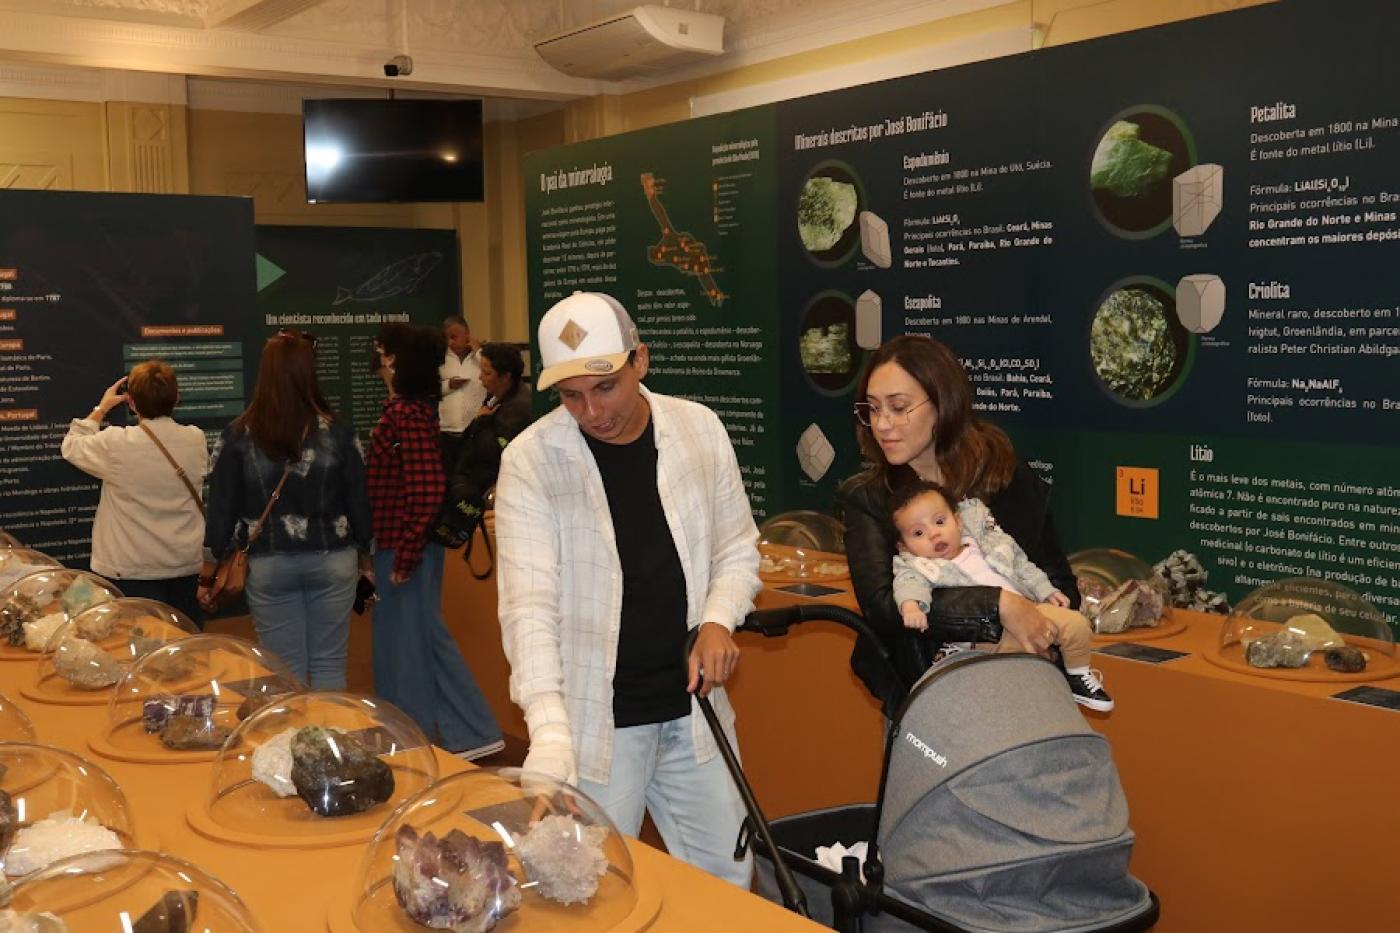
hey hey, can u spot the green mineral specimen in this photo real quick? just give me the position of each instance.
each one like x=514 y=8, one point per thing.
x=826 y=349
x=1126 y=166
x=824 y=210
x=1131 y=345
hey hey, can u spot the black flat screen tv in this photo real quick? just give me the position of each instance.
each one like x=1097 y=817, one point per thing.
x=364 y=151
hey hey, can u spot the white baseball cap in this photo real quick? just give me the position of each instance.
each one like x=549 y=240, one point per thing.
x=586 y=334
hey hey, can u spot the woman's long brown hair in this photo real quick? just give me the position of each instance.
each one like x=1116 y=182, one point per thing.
x=976 y=457
x=287 y=399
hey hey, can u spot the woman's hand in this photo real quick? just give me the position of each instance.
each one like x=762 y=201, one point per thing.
x=1025 y=624
x=114 y=396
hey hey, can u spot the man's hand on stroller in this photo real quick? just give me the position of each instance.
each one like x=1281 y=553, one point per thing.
x=713 y=659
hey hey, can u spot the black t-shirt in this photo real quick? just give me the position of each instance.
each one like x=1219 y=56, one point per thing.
x=650 y=678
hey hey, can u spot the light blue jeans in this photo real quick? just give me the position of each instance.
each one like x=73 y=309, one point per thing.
x=417 y=666
x=301 y=611
x=696 y=808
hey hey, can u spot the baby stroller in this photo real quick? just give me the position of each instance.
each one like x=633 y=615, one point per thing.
x=989 y=820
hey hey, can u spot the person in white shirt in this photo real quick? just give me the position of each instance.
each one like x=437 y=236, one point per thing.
x=622 y=524
x=148 y=534
x=462 y=391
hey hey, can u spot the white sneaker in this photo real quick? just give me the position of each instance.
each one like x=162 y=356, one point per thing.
x=481 y=751
x=1087 y=689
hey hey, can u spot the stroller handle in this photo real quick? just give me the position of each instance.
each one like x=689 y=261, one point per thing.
x=772 y=623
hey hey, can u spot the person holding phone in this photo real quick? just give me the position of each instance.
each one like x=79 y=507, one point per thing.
x=149 y=527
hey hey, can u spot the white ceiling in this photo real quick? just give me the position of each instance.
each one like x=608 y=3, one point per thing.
x=478 y=47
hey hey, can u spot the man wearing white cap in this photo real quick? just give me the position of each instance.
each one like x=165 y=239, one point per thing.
x=621 y=524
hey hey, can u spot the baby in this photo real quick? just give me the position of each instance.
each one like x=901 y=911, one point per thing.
x=943 y=546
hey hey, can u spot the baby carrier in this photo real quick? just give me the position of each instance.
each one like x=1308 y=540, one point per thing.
x=999 y=809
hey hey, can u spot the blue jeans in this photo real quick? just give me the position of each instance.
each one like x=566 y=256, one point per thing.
x=301 y=610
x=417 y=666
x=695 y=807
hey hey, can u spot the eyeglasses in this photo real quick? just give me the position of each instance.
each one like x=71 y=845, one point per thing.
x=870 y=415
x=298 y=335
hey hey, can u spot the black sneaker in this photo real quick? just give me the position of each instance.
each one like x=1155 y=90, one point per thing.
x=1087 y=690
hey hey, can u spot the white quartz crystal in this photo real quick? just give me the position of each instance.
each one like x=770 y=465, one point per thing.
x=272 y=764
x=38 y=632
x=60 y=835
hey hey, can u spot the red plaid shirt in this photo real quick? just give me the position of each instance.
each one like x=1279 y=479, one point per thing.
x=404 y=469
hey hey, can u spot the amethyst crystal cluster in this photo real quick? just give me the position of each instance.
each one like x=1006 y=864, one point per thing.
x=454 y=883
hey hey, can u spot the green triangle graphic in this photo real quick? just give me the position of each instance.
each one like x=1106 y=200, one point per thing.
x=268 y=271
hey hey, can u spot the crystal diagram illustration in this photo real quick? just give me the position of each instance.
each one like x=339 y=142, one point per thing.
x=814 y=452
x=875 y=239
x=1197 y=194
x=868 y=314
x=1200 y=302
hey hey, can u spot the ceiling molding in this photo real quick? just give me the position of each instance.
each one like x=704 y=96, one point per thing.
x=253 y=15
x=56 y=82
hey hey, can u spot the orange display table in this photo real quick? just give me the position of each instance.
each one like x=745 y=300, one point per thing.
x=291 y=891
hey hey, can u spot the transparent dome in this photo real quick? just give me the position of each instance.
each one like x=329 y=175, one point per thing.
x=181 y=701
x=54 y=804
x=1306 y=628
x=14 y=723
x=498 y=845
x=132 y=890
x=15 y=564
x=36 y=605
x=1117 y=591
x=90 y=652
x=8 y=540
x=314 y=769
x=802 y=545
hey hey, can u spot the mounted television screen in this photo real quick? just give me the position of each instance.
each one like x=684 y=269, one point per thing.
x=392 y=150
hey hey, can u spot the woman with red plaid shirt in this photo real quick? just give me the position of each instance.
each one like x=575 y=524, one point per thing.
x=417 y=665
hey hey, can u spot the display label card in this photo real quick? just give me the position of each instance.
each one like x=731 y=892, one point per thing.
x=812 y=590
x=1144 y=653
x=1371 y=696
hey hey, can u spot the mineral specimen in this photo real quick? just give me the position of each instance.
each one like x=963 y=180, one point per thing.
x=173 y=913
x=1186 y=583
x=1346 y=660
x=272 y=764
x=82 y=594
x=455 y=883
x=140 y=644
x=37 y=632
x=1314 y=632
x=825 y=208
x=193 y=733
x=1124 y=165
x=84 y=665
x=1281 y=649
x=1133 y=604
x=564 y=857
x=826 y=349
x=58 y=836
x=94 y=626
x=9 y=820
x=335 y=774
x=1131 y=345
x=256 y=702
x=12 y=921
x=170 y=665
x=14 y=614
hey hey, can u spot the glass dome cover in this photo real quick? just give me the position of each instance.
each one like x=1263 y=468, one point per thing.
x=530 y=854
x=8 y=540
x=315 y=769
x=1308 y=628
x=91 y=651
x=54 y=804
x=36 y=605
x=15 y=725
x=180 y=702
x=1118 y=590
x=133 y=890
x=802 y=545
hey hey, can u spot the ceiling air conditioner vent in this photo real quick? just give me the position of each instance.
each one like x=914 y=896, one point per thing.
x=645 y=41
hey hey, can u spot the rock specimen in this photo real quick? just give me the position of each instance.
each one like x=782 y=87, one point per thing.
x=825 y=208
x=84 y=665
x=173 y=913
x=82 y=594
x=1131 y=345
x=272 y=764
x=1314 y=632
x=1185 y=577
x=454 y=883
x=9 y=820
x=37 y=632
x=1124 y=165
x=1346 y=660
x=139 y=643
x=335 y=774
x=19 y=610
x=1281 y=649
x=1134 y=604
x=94 y=626
x=170 y=665
x=564 y=858
x=193 y=733
x=256 y=702
x=60 y=835
x=12 y=921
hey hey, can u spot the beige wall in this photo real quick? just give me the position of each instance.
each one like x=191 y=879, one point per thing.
x=53 y=144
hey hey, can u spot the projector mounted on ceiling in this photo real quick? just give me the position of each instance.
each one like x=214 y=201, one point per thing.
x=645 y=41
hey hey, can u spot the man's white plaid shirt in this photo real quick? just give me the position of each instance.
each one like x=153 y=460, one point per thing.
x=560 y=581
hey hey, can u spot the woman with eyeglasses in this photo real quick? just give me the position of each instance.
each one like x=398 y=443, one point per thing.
x=914 y=420
x=304 y=564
